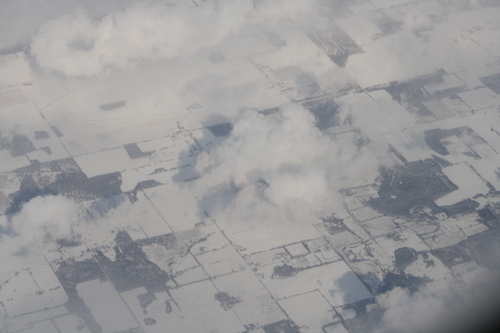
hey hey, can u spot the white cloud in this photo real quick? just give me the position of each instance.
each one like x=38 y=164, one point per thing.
x=282 y=167
x=420 y=46
x=21 y=19
x=411 y=313
x=46 y=219
x=309 y=185
x=77 y=45
x=284 y=141
x=46 y=215
x=423 y=311
x=42 y=219
x=7 y=132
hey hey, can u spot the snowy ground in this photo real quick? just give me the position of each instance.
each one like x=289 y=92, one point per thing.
x=146 y=199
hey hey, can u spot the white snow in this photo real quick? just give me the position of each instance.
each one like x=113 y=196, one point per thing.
x=338 y=284
x=106 y=303
x=201 y=311
x=309 y=311
x=468 y=182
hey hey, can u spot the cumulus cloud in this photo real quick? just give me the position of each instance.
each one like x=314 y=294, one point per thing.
x=420 y=46
x=283 y=141
x=42 y=219
x=423 y=311
x=46 y=219
x=78 y=45
x=21 y=19
x=411 y=313
x=281 y=166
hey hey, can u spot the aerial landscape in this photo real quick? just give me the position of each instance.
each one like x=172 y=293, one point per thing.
x=249 y=166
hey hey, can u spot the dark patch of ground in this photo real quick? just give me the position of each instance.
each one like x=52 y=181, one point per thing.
x=336 y=44
x=70 y=273
x=149 y=321
x=221 y=129
x=57 y=131
x=433 y=137
x=135 y=152
x=275 y=39
x=68 y=242
x=333 y=225
x=492 y=81
x=131 y=269
x=466 y=206
x=367 y=317
x=405 y=281
x=284 y=271
x=483 y=248
x=410 y=190
x=325 y=111
x=490 y=217
x=412 y=93
x=41 y=135
x=404 y=257
x=284 y=326
x=177 y=242
x=226 y=301
x=216 y=57
x=168 y=307
x=146 y=299
x=441 y=161
x=17 y=145
x=112 y=106
x=69 y=181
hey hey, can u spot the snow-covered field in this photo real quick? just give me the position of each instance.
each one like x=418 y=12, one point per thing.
x=246 y=166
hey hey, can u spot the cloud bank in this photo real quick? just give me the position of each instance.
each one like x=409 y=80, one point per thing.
x=78 y=45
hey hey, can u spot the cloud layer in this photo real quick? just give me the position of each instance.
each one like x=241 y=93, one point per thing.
x=78 y=45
